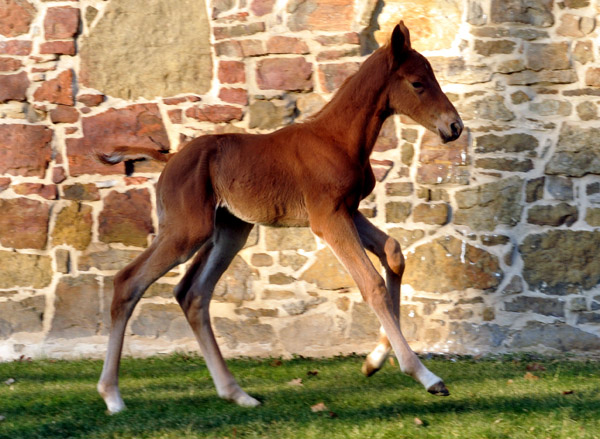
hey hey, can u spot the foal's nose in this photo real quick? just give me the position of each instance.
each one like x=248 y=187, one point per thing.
x=456 y=128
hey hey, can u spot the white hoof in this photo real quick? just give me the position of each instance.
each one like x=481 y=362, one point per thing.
x=113 y=400
x=246 y=400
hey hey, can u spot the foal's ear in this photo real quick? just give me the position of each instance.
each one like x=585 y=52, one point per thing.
x=400 y=41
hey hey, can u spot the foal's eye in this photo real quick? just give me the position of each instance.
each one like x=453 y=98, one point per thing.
x=417 y=85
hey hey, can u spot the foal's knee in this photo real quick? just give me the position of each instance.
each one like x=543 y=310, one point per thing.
x=394 y=256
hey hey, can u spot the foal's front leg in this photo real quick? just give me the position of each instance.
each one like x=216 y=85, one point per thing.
x=388 y=250
x=339 y=231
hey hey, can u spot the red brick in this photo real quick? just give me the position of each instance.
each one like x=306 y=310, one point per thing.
x=24 y=149
x=13 y=87
x=58 y=90
x=64 y=114
x=231 y=72
x=15 y=17
x=239 y=30
x=232 y=49
x=133 y=126
x=126 y=218
x=279 y=44
x=58 y=47
x=234 y=95
x=4 y=183
x=284 y=74
x=91 y=100
x=215 y=113
x=336 y=40
x=332 y=76
x=10 y=64
x=61 y=23
x=327 y=15
x=24 y=223
x=15 y=47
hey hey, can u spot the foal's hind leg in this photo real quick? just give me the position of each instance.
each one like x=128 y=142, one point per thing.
x=130 y=283
x=388 y=250
x=195 y=291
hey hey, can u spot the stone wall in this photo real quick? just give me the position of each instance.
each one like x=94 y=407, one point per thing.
x=500 y=228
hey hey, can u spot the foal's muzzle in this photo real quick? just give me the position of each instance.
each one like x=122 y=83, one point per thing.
x=453 y=131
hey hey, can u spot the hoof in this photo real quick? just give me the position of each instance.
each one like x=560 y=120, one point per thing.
x=439 y=389
x=368 y=369
x=247 y=401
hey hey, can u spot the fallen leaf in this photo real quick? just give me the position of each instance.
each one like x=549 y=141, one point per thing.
x=276 y=363
x=333 y=414
x=530 y=376
x=568 y=392
x=295 y=382
x=535 y=367
x=418 y=422
x=319 y=407
x=497 y=421
x=9 y=381
x=510 y=382
x=312 y=373
x=392 y=361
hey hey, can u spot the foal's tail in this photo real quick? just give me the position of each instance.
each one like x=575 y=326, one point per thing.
x=121 y=153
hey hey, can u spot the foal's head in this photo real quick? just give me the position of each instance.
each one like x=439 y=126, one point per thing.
x=415 y=92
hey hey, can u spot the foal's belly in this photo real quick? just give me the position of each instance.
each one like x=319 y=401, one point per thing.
x=267 y=212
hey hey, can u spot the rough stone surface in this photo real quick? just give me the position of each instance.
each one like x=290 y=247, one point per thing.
x=327 y=272
x=558 y=336
x=73 y=226
x=13 y=87
x=167 y=61
x=290 y=239
x=58 y=90
x=24 y=270
x=486 y=206
x=561 y=261
x=81 y=294
x=137 y=125
x=126 y=218
x=24 y=149
x=284 y=74
x=16 y=17
x=161 y=320
x=539 y=305
x=577 y=152
x=449 y=264
x=61 y=23
x=23 y=223
x=236 y=283
x=24 y=316
x=236 y=332
x=536 y=12
x=329 y=15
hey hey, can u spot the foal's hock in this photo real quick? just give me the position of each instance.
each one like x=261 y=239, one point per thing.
x=212 y=192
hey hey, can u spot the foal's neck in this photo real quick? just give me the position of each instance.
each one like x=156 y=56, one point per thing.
x=354 y=116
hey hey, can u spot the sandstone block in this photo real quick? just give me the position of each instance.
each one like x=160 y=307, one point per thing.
x=111 y=259
x=488 y=205
x=327 y=272
x=58 y=47
x=387 y=136
x=592 y=217
x=449 y=264
x=289 y=239
x=166 y=63
x=126 y=218
x=23 y=223
x=215 y=113
x=10 y=64
x=234 y=96
x=161 y=320
x=262 y=7
x=235 y=285
x=592 y=77
x=15 y=47
x=502 y=164
x=397 y=211
x=24 y=149
x=406 y=237
x=24 y=316
x=558 y=336
x=81 y=192
x=365 y=325
x=136 y=125
x=535 y=12
x=538 y=305
x=280 y=44
x=266 y=115
x=519 y=142
x=530 y=77
x=64 y=114
x=16 y=17
x=22 y=270
x=284 y=74
x=73 y=226
x=58 y=90
x=13 y=87
x=561 y=262
x=587 y=111
x=577 y=152
x=310 y=332
x=235 y=332
x=61 y=23
x=431 y=213
x=332 y=76
x=231 y=72
x=329 y=15
x=551 y=107
x=488 y=48
x=80 y=294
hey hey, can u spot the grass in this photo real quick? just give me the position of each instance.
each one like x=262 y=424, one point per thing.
x=173 y=397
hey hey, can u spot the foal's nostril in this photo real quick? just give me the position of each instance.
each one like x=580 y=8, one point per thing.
x=456 y=129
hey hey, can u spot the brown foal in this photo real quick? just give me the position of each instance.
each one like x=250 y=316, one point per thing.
x=212 y=192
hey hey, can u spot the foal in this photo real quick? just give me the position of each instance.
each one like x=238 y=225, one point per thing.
x=212 y=192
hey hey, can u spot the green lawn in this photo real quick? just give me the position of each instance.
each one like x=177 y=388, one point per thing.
x=173 y=397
